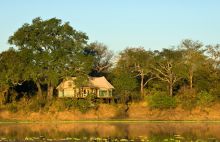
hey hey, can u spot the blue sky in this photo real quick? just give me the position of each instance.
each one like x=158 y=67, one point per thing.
x=153 y=24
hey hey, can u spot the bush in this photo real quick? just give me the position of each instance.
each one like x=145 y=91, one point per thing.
x=215 y=90
x=37 y=104
x=12 y=107
x=161 y=101
x=121 y=112
x=186 y=97
x=2 y=99
x=62 y=104
x=57 y=105
x=205 y=99
x=82 y=105
x=69 y=103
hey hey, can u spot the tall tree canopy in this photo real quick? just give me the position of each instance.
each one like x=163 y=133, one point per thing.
x=56 y=50
x=11 y=71
x=47 y=51
x=102 y=58
x=139 y=62
x=11 y=67
x=214 y=53
x=169 y=67
x=193 y=57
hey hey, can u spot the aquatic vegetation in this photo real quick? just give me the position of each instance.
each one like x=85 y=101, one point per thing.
x=111 y=132
x=174 y=138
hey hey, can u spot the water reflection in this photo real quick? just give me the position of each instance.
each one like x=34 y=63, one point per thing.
x=157 y=131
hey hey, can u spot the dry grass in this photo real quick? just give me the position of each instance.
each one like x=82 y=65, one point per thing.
x=136 y=111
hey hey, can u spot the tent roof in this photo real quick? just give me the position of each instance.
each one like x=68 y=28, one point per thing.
x=95 y=82
x=100 y=82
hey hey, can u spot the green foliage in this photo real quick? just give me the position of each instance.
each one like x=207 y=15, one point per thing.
x=50 y=50
x=160 y=100
x=83 y=105
x=102 y=58
x=124 y=82
x=69 y=103
x=187 y=98
x=37 y=104
x=205 y=99
x=81 y=80
x=205 y=77
x=215 y=90
x=138 y=63
x=121 y=112
x=11 y=67
x=169 y=67
x=62 y=104
x=54 y=51
x=125 y=85
x=135 y=96
x=12 y=107
x=93 y=100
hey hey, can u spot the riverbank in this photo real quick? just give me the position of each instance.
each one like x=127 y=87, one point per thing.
x=152 y=132
x=106 y=112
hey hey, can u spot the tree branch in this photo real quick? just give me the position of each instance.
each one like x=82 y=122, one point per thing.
x=149 y=80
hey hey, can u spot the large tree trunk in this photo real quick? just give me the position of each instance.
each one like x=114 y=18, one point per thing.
x=50 y=91
x=191 y=78
x=171 y=90
x=142 y=85
x=171 y=82
x=39 y=90
x=4 y=95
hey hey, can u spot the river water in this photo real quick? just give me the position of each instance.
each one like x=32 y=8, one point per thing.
x=112 y=131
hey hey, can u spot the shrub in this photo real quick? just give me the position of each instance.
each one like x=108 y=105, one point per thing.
x=215 y=90
x=83 y=105
x=69 y=103
x=121 y=112
x=161 y=101
x=2 y=99
x=62 y=104
x=94 y=101
x=37 y=104
x=205 y=99
x=187 y=98
x=135 y=96
x=12 y=107
x=58 y=105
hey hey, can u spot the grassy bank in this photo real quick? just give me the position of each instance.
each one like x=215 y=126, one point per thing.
x=109 y=112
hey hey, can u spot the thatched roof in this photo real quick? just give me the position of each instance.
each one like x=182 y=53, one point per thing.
x=94 y=82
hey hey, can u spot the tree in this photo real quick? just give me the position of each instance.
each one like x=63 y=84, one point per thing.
x=193 y=57
x=11 y=70
x=102 y=58
x=125 y=85
x=137 y=61
x=214 y=53
x=169 y=67
x=56 y=50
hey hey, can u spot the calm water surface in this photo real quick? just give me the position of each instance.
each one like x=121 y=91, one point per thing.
x=151 y=132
